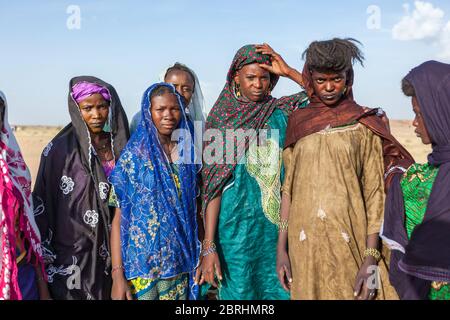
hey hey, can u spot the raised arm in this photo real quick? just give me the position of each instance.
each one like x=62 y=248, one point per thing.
x=279 y=66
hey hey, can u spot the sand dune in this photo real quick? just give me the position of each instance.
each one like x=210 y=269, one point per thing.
x=33 y=139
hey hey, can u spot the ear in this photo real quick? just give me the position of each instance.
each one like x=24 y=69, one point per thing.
x=236 y=78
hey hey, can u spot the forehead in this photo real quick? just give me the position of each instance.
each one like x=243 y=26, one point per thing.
x=253 y=68
x=165 y=99
x=179 y=76
x=326 y=75
x=96 y=98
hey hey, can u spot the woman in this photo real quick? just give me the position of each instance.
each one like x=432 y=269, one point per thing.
x=336 y=156
x=241 y=201
x=154 y=240
x=21 y=266
x=188 y=86
x=417 y=215
x=71 y=192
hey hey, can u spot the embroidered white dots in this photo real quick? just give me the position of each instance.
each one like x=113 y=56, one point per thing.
x=346 y=237
x=302 y=236
x=66 y=185
x=91 y=218
x=47 y=149
x=321 y=214
x=103 y=188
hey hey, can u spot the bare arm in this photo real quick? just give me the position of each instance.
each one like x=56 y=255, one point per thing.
x=283 y=262
x=120 y=289
x=279 y=66
x=210 y=264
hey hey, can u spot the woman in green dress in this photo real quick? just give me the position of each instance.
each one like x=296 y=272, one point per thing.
x=242 y=182
x=417 y=215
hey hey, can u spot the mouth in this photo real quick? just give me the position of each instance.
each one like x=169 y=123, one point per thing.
x=97 y=125
x=258 y=93
x=168 y=125
x=330 y=97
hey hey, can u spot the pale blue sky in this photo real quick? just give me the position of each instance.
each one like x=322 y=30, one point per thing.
x=128 y=43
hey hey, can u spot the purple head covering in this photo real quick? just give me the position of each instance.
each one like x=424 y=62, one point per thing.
x=426 y=256
x=83 y=90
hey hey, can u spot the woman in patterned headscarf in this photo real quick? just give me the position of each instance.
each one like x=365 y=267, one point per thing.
x=241 y=201
x=21 y=265
x=71 y=192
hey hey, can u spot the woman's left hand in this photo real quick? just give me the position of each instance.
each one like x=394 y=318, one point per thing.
x=364 y=285
x=279 y=66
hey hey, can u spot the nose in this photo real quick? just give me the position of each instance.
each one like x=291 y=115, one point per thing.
x=95 y=113
x=258 y=83
x=329 y=87
x=415 y=122
x=167 y=115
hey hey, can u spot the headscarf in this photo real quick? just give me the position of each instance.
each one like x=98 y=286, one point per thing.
x=159 y=231
x=318 y=116
x=16 y=206
x=425 y=257
x=84 y=89
x=232 y=112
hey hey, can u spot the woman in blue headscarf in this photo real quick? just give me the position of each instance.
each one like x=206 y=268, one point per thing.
x=155 y=246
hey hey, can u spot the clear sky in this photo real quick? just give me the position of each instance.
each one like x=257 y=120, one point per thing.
x=128 y=44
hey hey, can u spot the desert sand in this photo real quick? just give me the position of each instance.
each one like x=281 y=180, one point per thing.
x=33 y=139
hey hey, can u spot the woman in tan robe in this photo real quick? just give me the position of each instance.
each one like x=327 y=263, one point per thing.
x=337 y=157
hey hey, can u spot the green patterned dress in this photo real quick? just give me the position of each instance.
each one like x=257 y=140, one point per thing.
x=247 y=231
x=417 y=184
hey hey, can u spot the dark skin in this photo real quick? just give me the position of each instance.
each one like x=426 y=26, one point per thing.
x=330 y=88
x=183 y=82
x=419 y=123
x=254 y=83
x=95 y=112
x=166 y=115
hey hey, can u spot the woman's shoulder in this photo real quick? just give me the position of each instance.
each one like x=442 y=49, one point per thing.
x=63 y=142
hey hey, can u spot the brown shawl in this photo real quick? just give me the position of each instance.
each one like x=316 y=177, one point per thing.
x=317 y=116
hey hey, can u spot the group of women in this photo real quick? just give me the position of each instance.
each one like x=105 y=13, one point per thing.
x=297 y=213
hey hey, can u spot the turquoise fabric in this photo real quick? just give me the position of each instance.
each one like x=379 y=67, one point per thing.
x=246 y=236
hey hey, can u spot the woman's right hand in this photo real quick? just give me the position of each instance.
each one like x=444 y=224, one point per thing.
x=284 y=269
x=209 y=266
x=120 y=289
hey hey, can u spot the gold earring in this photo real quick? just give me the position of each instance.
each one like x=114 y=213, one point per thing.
x=238 y=91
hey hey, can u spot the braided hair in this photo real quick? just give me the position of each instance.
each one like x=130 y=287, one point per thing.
x=336 y=55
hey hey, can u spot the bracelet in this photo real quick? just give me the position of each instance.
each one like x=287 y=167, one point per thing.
x=208 y=243
x=283 y=225
x=117 y=268
x=208 y=251
x=372 y=252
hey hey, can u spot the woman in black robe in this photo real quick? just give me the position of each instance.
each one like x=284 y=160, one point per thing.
x=72 y=188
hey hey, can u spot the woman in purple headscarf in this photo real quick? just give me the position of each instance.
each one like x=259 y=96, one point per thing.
x=417 y=216
x=72 y=189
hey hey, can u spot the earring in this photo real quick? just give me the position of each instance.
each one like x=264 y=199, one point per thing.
x=237 y=90
x=345 y=90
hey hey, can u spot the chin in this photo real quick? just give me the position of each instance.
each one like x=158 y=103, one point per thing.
x=96 y=130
